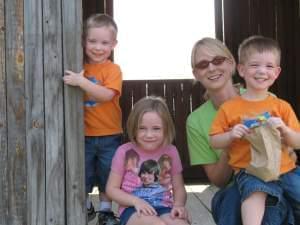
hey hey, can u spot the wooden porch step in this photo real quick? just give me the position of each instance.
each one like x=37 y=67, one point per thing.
x=198 y=204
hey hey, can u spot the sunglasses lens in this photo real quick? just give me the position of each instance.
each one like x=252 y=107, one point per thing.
x=202 y=64
x=218 y=60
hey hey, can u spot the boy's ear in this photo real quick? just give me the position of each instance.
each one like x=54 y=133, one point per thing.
x=277 y=71
x=241 y=69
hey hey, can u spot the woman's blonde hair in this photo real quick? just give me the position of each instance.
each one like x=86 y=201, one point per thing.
x=150 y=104
x=214 y=46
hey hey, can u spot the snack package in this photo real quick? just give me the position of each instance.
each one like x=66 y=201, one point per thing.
x=265 y=148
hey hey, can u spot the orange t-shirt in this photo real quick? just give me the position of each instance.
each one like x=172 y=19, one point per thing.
x=236 y=110
x=103 y=118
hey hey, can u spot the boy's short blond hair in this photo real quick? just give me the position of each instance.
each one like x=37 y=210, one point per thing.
x=150 y=104
x=99 y=20
x=259 y=44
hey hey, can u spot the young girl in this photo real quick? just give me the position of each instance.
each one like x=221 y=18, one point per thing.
x=151 y=132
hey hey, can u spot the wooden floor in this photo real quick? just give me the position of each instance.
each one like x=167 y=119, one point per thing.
x=198 y=204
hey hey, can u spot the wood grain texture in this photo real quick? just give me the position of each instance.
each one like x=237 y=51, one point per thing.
x=16 y=134
x=35 y=124
x=3 y=123
x=54 y=113
x=73 y=115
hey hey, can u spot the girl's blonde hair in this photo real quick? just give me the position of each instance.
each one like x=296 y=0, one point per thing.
x=150 y=104
x=213 y=46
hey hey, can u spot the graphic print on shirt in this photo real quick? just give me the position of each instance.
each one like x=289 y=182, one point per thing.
x=90 y=102
x=149 y=180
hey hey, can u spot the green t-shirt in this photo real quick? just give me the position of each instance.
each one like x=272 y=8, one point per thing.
x=197 y=127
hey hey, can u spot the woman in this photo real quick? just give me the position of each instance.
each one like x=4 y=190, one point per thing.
x=213 y=66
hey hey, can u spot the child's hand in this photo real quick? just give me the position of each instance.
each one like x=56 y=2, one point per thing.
x=276 y=122
x=239 y=131
x=144 y=208
x=179 y=212
x=72 y=78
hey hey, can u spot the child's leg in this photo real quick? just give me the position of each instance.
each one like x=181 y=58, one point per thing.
x=145 y=220
x=173 y=221
x=107 y=148
x=90 y=165
x=253 y=208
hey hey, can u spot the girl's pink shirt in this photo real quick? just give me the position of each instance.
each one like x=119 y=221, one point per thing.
x=130 y=179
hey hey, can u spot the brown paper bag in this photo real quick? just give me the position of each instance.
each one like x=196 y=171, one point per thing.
x=265 y=152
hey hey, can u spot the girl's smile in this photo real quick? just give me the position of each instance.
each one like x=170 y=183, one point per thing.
x=150 y=133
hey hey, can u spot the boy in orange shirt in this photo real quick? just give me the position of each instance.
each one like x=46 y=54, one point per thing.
x=259 y=59
x=102 y=82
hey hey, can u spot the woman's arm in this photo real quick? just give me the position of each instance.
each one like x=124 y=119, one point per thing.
x=219 y=173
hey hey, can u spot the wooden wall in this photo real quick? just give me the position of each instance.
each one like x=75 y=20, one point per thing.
x=182 y=97
x=41 y=138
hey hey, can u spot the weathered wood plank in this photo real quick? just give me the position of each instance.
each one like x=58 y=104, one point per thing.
x=199 y=203
x=3 y=124
x=198 y=213
x=204 y=193
x=54 y=114
x=73 y=105
x=16 y=157
x=35 y=138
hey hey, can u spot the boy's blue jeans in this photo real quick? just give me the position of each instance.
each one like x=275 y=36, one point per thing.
x=226 y=209
x=99 y=152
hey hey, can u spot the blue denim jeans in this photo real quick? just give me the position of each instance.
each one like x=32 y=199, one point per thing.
x=290 y=183
x=128 y=212
x=226 y=208
x=99 y=152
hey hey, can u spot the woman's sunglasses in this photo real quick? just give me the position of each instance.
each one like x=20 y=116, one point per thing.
x=203 y=64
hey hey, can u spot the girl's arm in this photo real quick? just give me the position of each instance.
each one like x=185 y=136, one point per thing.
x=114 y=192
x=95 y=91
x=179 y=195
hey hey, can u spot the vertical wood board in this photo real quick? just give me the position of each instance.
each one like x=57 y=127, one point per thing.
x=16 y=133
x=73 y=116
x=3 y=123
x=54 y=114
x=35 y=124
